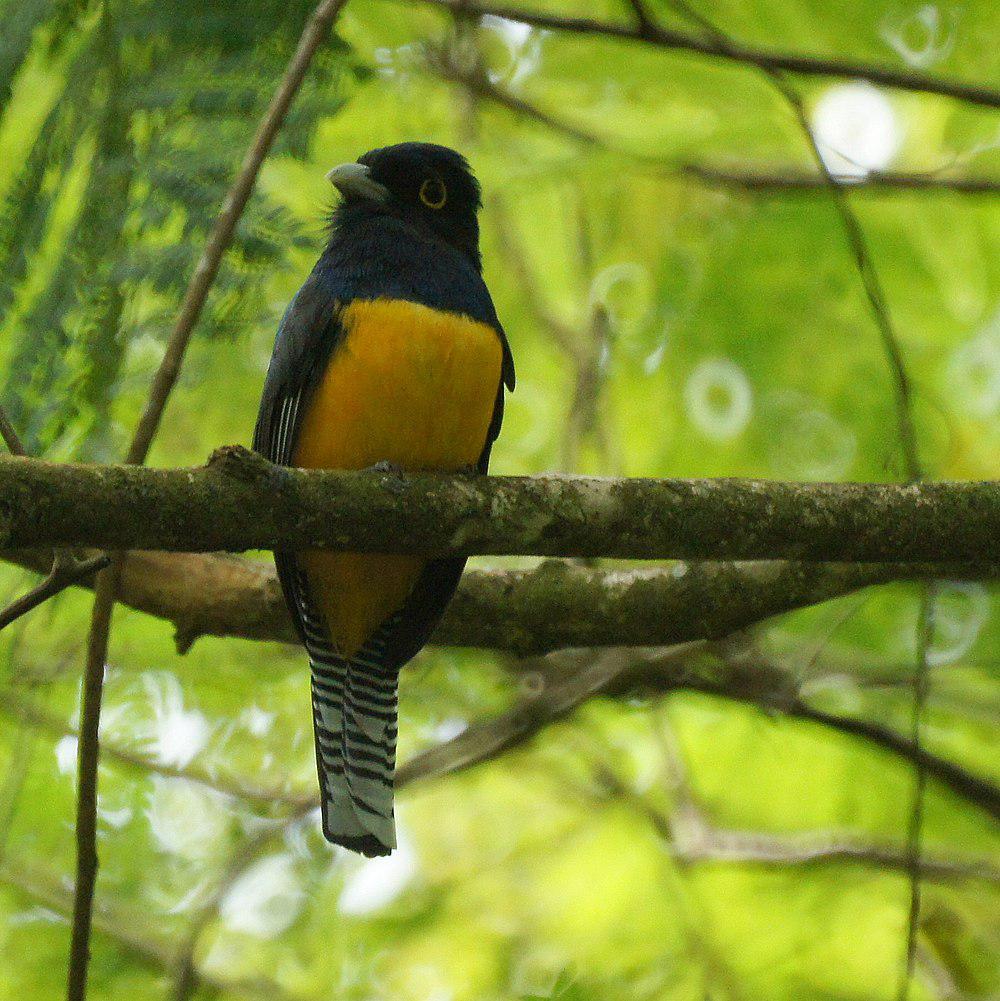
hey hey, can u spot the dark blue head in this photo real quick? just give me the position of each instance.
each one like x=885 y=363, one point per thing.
x=431 y=187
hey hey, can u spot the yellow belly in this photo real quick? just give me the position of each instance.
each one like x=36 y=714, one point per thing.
x=408 y=385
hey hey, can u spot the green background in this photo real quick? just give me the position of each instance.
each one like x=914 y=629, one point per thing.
x=740 y=343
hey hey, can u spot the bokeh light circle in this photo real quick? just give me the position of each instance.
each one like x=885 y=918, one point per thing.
x=718 y=398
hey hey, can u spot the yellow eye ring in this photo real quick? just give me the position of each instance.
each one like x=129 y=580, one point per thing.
x=429 y=189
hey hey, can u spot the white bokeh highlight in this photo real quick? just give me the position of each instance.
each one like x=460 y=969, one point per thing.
x=524 y=46
x=188 y=820
x=66 y=755
x=377 y=882
x=856 y=129
x=803 y=441
x=973 y=374
x=173 y=735
x=960 y=612
x=266 y=899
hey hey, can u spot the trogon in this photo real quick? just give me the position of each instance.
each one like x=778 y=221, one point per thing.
x=390 y=353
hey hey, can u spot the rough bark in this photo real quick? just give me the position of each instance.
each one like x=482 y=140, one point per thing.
x=554 y=605
x=239 y=501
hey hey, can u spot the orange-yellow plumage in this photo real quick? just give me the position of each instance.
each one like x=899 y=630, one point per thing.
x=409 y=385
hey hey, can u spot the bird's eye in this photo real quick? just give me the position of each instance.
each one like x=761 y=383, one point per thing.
x=433 y=193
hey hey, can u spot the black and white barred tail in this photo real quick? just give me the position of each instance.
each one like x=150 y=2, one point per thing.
x=354 y=704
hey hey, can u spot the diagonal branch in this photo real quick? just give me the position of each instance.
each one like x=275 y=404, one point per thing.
x=9 y=435
x=693 y=839
x=315 y=31
x=62 y=575
x=568 y=680
x=740 y=54
x=491 y=738
x=313 y=35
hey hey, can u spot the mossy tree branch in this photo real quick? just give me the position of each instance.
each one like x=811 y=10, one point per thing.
x=240 y=501
x=555 y=605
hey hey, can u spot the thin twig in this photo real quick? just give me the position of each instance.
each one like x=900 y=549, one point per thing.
x=856 y=240
x=491 y=738
x=780 y=180
x=314 y=33
x=693 y=838
x=767 y=684
x=744 y=54
x=61 y=576
x=914 y=834
x=478 y=84
x=88 y=752
x=9 y=435
x=643 y=20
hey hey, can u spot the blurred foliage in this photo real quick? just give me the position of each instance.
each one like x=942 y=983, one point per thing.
x=738 y=342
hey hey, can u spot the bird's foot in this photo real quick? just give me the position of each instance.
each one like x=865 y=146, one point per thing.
x=387 y=467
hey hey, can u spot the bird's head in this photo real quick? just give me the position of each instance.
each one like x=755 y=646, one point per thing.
x=429 y=186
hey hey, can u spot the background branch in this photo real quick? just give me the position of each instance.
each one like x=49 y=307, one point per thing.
x=554 y=605
x=767 y=180
x=750 y=179
x=747 y=55
x=315 y=31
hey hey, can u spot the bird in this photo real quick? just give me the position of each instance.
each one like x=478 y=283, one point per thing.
x=389 y=356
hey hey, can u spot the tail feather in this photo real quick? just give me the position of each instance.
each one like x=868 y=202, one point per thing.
x=354 y=713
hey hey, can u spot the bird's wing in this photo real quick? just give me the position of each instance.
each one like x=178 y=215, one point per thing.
x=308 y=333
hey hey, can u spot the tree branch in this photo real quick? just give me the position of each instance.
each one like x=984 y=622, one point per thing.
x=554 y=605
x=773 y=687
x=770 y=180
x=490 y=738
x=19 y=707
x=742 y=54
x=760 y=180
x=693 y=839
x=567 y=680
x=240 y=501
x=61 y=576
x=314 y=33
